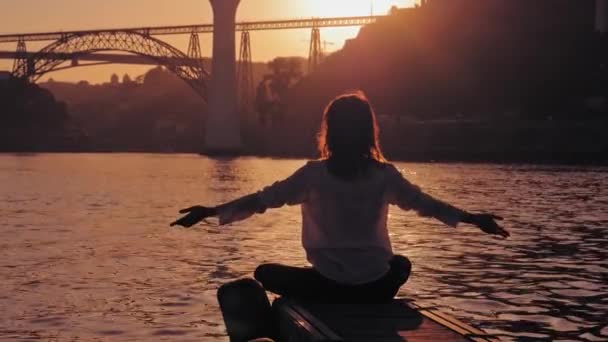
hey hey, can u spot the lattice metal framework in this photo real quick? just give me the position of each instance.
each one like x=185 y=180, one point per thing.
x=21 y=56
x=108 y=58
x=133 y=42
x=194 y=49
x=207 y=28
x=245 y=74
x=315 y=54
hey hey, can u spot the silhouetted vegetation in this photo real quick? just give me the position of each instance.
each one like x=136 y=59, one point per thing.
x=472 y=80
x=159 y=112
x=271 y=91
x=32 y=120
x=156 y=111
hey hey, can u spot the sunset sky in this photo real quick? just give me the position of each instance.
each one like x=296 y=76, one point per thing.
x=19 y=16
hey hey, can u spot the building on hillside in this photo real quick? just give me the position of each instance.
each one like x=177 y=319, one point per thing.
x=538 y=15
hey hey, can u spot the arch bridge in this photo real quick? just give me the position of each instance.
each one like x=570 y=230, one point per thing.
x=73 y=46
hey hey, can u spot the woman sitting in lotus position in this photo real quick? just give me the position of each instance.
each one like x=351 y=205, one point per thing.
x=344 y=196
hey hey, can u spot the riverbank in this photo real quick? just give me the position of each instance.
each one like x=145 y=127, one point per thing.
x=497 y=141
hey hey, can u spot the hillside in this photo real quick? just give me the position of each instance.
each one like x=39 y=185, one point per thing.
x=459 y=67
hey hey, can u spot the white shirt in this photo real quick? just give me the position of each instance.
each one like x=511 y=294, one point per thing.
x=344 y=230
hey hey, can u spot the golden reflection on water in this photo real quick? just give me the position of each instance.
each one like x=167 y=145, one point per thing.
x=85 y=251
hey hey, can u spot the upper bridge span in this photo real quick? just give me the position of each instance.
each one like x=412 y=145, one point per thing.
x=201 y=28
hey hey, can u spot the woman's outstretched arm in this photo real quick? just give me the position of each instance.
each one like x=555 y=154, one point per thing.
x=409 y=196
x=487 y=223
x=236 y=210
x=291 y=191
x=194 y=215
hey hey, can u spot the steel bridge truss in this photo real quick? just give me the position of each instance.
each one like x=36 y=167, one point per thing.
x=205 y=28
x=315 y=54
x=69 y=46
x=245 y=74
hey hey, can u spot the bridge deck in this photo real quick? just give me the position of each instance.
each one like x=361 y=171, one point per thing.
x=204 y=28
x=400 y=320
x=101 y=57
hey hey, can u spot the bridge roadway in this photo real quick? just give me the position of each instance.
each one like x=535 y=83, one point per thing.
x=101 y=57
x=204 y=28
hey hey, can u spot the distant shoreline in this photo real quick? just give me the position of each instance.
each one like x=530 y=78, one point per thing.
x=505 y=161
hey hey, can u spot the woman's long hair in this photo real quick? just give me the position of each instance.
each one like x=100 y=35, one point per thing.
x=348 y=138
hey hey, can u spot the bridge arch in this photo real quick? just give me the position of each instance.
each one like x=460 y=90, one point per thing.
x=70 y=46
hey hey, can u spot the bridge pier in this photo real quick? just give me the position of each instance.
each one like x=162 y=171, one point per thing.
x=223 y=134
x=194 y=49
x=315 y=53
x=21 y=62
x=245 y=75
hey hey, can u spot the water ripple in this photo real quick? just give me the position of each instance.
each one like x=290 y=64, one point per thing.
x=90 y=257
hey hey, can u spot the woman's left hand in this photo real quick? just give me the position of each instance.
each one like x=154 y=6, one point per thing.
x=194 y=215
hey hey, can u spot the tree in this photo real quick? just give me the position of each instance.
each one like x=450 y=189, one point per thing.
x=126 y=79
x=286 y=71
x=114 y=79
x=32 y=118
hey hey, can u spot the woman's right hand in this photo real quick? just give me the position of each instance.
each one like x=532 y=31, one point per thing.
x=194 y=215
x=487 y=223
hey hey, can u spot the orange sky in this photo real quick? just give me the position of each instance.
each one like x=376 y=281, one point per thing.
x=18 y=16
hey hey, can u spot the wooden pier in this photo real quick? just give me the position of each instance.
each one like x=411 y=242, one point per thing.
x=400 y=320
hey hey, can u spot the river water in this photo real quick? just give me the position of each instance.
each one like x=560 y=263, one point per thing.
x=86 y=253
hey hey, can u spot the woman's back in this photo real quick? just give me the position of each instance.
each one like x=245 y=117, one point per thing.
x=345 y=213
x=344 y=228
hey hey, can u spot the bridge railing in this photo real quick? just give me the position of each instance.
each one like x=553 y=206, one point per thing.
x=100 y=57
x=204 y=28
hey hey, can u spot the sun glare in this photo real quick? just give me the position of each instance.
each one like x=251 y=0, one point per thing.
x=336 y=8
x=333 y=38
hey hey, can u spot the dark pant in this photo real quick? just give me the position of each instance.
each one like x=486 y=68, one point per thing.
x=306 y=283
x=247 y=312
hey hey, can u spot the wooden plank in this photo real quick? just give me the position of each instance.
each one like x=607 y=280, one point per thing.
x=401 y=320
x=397 y=318
x=453 y=323
x=396 y=308
x=420 y=329
x=295 y=327
x=322 y=327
